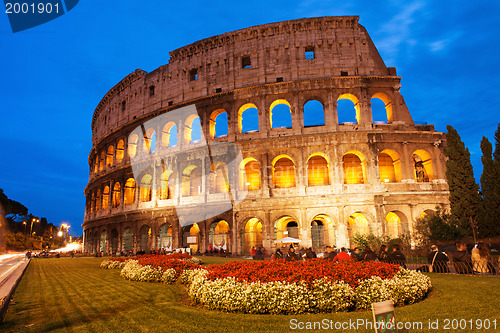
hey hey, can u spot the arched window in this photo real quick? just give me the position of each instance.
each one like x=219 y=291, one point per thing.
x=396 y=224
x=96 y=164
x=348 y=109
x=127 y=239
x=422 y=166
x=105 y=197
x=116 y=195
x=218 y=123
x=101 y=161
x=283 y=172
x=191 y=181
x=129 y=194
x=192 y=129
x=252 y=235
x=318 y=171
x=98 y=200
x=219 y=235
x=286 y=226
x=389 y=166
x=280 y=114
x=169 y=135
x=248 y=118
x=120 y=149
x=167 y=185
x=381 y=109
x=357 y=225
x=354 y=168
x=149 y=141
x=132 y=145
x=220 y=179
x=249 y=175
x=92 y=203
x=314 y=114
x=109 y=156
x=145 y=192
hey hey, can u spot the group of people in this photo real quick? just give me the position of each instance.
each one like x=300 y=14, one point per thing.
x=478 y=262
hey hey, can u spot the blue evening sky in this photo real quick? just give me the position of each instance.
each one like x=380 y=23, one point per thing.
x=54 y=75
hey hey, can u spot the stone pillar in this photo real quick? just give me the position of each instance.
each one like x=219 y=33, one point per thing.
x=330 y=109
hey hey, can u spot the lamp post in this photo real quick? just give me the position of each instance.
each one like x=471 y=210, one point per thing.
x=24 y=222
x=33 y=220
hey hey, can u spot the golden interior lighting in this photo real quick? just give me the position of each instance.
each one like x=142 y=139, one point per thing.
x=128 y=197
x=120 y=151
x=318 y=171
x=145 y=192
x=353 y=169
x=284 y=173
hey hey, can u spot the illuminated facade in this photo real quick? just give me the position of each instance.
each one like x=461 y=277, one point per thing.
x=321 y=180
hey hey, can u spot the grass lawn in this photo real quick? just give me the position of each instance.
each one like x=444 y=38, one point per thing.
x=75 y=295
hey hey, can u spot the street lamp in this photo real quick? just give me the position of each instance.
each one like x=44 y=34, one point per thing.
x=24 y=222
x=33 y=220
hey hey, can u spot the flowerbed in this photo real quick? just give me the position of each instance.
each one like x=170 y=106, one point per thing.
x=282 y=287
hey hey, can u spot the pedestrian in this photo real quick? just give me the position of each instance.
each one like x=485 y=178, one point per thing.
x=481 y=259
x=342 y=255
x=438 y=261
x=355 y=254
x=382 y=253
x=368 y=254
x=462 y=261
x=397 y=257
x=291 y=255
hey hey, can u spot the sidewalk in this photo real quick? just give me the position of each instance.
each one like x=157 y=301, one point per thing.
x=8 y=284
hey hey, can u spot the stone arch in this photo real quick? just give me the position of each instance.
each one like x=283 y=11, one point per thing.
x=314 y=113
x=105 y=197
x=169 y=135
x=389 y=166
x=192 y=129
x=145 y=188
x=191 y=235
x=248 y=118
x=149 y=141
x=219 y=178
x=167 y=185
x=103 y=241
x=98 y=200
x=322 y=232
x=145 y=238
x=96 y=164
x=165 y=237
x=318 y=170
x=357 y=223
x=116 y=200
x=127 y=239
x=219 y=235
x=101 y=161
x=250 y=174
x=389 y=117
x=286 y=226
x=283 y=172
x=120 y=151
x=129 y=192
x=396 y=224
x=109 y=156
x=354 y=165
x=422 y=166
x=251 y=235
x=341 y=108
x=191 y=181
x=283 y=113
x=113 y=238
x=132 y=145
x=218 y=124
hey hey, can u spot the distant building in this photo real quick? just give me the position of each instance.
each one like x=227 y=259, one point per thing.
x=303 y=173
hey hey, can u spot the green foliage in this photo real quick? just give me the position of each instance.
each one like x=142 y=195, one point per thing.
x=437 y=227
x=465 y=200
x=489 y=185
x=374 y=242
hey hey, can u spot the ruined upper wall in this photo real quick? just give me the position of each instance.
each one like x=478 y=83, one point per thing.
x=342 y=47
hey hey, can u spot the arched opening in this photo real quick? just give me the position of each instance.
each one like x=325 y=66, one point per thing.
x=165 y=234
x=348 y=109
x=286 y=226
x=114 y=240
x=129 y=194
x=116 y=195
x=109 y=156
x=322 y=232
x=96 y=164
x=248 y=118
x=389 y=166
x=192 y=129
x=218 y=235
x=145 y=192
x=149 y=141
x=396 y=224
x=167 y=185
x=92 y=203
x=101 y=161
x=120 y=151
x=314 y=114
x=132 y=145
x=169 y=135
x=98 y=200
x=249 y=175
x=426 y=212
x=191 y=181
x=318 y=170
x=357 y=224
x=354 y=165
x=218 y=123
x=95 y=244
x=381 y=109
x=105 y=197
x=252 y=235
x=127 y=240
x=145 y=238
x=103 y=242
x=191 y=237
x=283 y=172
x=219 y=180
x=280 y=114
x=422 y=166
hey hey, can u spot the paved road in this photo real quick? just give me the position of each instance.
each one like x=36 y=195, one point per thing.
x=7 y=262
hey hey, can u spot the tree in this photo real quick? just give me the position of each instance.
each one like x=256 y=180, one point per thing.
x=489 y=186
x=465 y=199
x=437 y=227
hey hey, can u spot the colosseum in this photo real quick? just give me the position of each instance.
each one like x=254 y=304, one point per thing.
x=294 y=128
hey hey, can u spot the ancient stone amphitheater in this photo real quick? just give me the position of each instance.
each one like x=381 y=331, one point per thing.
x=259 y=134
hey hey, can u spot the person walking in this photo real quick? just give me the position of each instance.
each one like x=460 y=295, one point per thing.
x=438 y=261
x=396 y=256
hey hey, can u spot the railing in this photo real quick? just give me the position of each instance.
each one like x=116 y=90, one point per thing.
x=481 y=267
